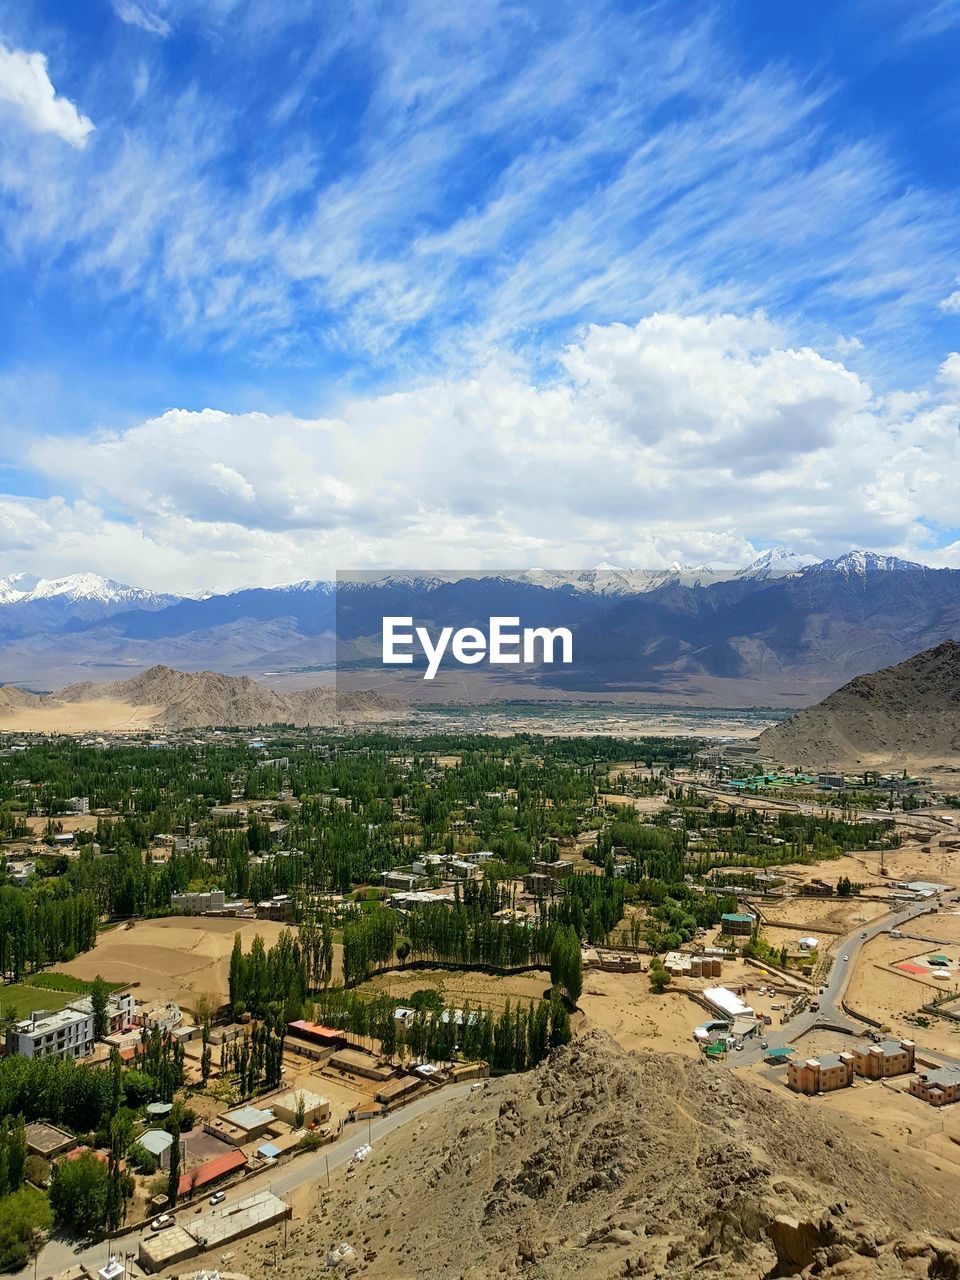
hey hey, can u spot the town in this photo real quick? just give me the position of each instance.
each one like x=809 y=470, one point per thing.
x=232 y=965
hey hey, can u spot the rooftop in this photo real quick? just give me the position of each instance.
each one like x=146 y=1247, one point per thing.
x=249 y=1117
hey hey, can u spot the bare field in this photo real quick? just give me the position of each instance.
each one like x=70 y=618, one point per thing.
x=910 y=1128
x=99 y=715
x=889 y=994
x=943 y=925
x=176 y=958
x=489 y=990
x=642 y=804
x=622 y=1005
x=829 y=915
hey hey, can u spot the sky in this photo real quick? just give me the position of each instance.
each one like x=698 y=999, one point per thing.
x=290 y=287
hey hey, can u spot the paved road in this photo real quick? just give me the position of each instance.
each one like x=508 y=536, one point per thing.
x=831 y=1011
x=57 y=1255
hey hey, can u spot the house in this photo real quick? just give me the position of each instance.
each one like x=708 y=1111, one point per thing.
x=558 y=870
x=937 y=1087
x=159 y=1143
x=279 y=907
x=316 y=1109
x=821 y=1075
x=210 y=1172
x=68 y=1033
x=243 y=1124
x=399 y=879
x=354 y=1062
x=538 y=885
x=888 y=1058
x=316 y=1033
x=817 y=889
x=737 y=923
x=46 y=1140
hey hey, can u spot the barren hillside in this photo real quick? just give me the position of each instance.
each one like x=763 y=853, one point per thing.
x=163 y=697
x=903 y=715
x=601 y=1164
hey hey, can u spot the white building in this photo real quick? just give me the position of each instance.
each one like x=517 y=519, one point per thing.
x=68 y=1033
x=726 y=1002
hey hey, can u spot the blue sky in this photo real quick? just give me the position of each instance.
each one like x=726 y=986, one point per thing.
x=291 y=287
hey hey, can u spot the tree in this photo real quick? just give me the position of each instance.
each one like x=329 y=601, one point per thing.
x=659 y=978
x=299 y=1113
x=99 y=998
x=24 y=1216
x=173 y=1177
x=403 y=950
x=80 y=1193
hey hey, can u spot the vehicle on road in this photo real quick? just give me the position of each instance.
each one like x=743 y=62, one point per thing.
x=846 y=957
x=165 y=1220
x=218 y=1197
x=863 y=935
x=764 y=1044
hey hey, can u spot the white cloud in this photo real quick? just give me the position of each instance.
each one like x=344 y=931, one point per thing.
x=951 y=303
x=138 y=15
x=690 y=438
x=25 y=85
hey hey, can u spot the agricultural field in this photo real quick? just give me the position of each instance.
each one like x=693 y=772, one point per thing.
x=18 y=1000
x=175 y=958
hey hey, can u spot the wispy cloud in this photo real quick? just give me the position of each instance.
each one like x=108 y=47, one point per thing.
x=430 y=184
x=139 y=15
x=25 y=86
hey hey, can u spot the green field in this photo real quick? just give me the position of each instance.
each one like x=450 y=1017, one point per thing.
x=19 y=1001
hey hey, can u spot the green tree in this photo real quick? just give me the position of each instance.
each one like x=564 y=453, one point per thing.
x=80 y=1194
x=173 y=1176
x=24 y=1217
x=99 y=999
x=659 y=978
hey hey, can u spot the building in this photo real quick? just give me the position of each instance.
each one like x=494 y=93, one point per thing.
x=243 y=1124
x=211 y=902
x=68 y=1033
x=79 y=805
x=937 y=1087
x=817 y=889
x=558 y=870
x=279 y=907
x=738 y=924
x=727 y=1003
x=821 y=1075
x=832 y=781
x=888 y=1058
x=159 y=1143
x=399 y=879
x=316 y=1033
x=354 y=1062
x=538 y=885
x=316 y=1109
x=47 y=1141
x=163 y=1016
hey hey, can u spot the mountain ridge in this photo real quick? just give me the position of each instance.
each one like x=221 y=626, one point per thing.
x=906 y=713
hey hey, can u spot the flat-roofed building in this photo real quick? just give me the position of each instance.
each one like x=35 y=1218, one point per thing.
x=67 y=1033
x=316 y=1109
x=888 y=1058
x=937 y=1087
x=737 y=923
x=47 y=1140
x=821 y=1075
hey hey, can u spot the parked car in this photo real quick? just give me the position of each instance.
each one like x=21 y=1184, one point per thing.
x=165 y=1220
x=218 y=1197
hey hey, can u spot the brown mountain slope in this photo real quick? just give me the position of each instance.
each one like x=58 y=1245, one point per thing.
x=163 y=697
x=12 y=698
x=903 y=715
x=601 y=1164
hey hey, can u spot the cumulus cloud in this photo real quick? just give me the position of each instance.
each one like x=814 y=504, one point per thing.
x=25 y=84
x=690 y=438
x=951 y=303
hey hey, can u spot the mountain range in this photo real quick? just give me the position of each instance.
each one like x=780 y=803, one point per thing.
x=907 y=715
x=161 y=698
x=780 y=632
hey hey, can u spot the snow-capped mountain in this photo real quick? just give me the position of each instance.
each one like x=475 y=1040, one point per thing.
x=776 y=562
x=859 y=563
x=22 y=588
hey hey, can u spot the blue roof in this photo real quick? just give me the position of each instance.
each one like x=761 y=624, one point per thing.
x=268 y=1151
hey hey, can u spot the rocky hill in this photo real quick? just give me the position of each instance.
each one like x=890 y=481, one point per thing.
x=601 y=1164
x=193 y=700
x=903 y=715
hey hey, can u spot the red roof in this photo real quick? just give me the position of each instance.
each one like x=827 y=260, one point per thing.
x=315 y=1029
x=102 y=1156
x=211 y=1171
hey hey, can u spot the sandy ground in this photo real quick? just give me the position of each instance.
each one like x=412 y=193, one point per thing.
x=455 y=988
x=623 y=1005
x=177 y=958
x=99 y=715
x=68 y=822
x=642 y=804
x=820 y=915
x=884 y=992
x=944 y=925
x=920 y=1134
